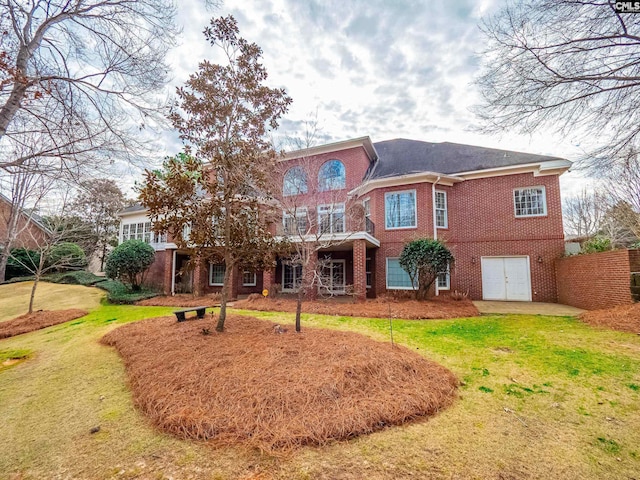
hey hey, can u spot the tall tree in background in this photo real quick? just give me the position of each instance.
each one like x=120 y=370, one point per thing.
x=571 y=65
x=224 y=115
x=98 y=204
x=583 y=213
x=81 y=77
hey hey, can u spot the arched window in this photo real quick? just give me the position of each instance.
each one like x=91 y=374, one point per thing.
x=332 y=176
x=295 y=181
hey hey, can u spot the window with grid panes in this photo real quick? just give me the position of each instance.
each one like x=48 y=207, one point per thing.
x=530 y=202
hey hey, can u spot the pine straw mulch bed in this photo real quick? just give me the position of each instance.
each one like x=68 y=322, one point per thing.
x=181 y=300
x=379 y=308
x=625 y=318
x=35 y=321
x=275 y=391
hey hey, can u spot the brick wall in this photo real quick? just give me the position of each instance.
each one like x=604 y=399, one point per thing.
x=597 y=280
x=155 y=276
x=481 y=222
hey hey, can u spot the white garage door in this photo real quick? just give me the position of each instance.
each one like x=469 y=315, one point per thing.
x=506 y=278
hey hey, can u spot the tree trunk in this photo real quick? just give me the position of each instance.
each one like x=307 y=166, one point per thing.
x=33 y=292
x=4 y=258
x=225 y=296
x=299 y=298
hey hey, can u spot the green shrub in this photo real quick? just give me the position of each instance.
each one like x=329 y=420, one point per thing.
x=596 y=244
x=67 y=256
x=17 y=261
x=119 y=293
x=79 y=277
x=129 y=261
x=424 y=259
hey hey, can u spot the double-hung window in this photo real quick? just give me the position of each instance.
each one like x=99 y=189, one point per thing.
x=400 y=209
x=216 y=274
x=444 y=279
x=530 y=202
x=248 y=278
x=331 y=218
x=442 y=217
x=295 y=223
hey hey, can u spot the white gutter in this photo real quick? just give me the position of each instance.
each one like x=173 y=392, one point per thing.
x=435 y=228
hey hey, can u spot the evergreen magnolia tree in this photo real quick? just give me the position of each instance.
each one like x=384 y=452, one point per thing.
x=217 y=191
x=424 y=260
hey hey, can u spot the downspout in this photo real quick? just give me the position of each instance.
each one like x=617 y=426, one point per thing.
x=435 y=228
x=173 y=274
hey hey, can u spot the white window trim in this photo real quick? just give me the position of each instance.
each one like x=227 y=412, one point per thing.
x=415 y=209
x=331 y=209
x=299 y=212
x=211 y=265
x=445 y=209
x=367 y=201
x=289 y=290
x=366 y=272
x=250 y=284
x=386 y=276
x=448 y=277
x=544 y=201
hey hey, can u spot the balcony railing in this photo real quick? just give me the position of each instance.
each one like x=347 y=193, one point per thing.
x=340 y=224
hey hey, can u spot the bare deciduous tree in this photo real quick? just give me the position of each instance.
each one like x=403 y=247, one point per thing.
x=571 y=65
x=25 y=189
x=583 y=213
x=80 y=76
x=314 y=219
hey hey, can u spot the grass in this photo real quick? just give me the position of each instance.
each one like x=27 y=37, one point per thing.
x=14 y=298
x=543 y=397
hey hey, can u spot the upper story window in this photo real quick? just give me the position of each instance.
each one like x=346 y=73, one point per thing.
x=332 y=176
x=442 y=217
x=530 y=202
x=331 y=218
x=295 y=181
x=141 y=231
x=295 y=222
x=400 y=209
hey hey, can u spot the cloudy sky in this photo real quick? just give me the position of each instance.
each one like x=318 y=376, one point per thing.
x=387 y=69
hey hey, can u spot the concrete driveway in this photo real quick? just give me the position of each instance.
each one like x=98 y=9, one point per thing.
x=527 y=308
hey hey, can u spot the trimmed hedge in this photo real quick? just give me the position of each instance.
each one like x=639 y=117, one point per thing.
x=119 y=293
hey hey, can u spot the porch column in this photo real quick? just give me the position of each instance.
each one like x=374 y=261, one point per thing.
x=197 y=277
x=360 y=270
x=168 y=272
x=310 y=274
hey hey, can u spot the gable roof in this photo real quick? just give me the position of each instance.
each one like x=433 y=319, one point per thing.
x=31 y=216
x=403 y=157
x=135 y=208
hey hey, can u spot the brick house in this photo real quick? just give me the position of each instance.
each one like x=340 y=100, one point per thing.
x=498 y=211
x=30 y=230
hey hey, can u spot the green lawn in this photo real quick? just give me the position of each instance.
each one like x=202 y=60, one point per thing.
x=543 y=397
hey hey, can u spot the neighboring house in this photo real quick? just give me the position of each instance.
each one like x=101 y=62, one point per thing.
x=498 y=211
x=30 y=228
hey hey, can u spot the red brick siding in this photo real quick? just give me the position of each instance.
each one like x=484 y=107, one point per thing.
x=155 y=276
x=30 y=235
x=482 y=222
x=598 y=280
x=634 y=260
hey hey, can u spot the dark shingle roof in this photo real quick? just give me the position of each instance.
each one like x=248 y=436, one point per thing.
x=133 y=208
x=401 y=157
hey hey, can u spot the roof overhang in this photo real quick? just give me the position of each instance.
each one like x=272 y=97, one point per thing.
x=364 y=142
x=132 y=213
x=539 y=169
x=408 y=179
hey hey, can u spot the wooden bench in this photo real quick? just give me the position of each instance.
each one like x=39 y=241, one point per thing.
x=180 y=314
